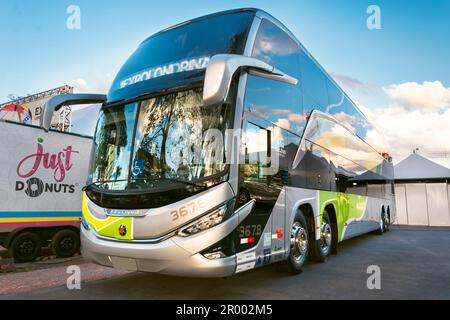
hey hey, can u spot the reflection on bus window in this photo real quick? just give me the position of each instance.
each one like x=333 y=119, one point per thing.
x=178 y=138
x=112 y=146
x=276 y=102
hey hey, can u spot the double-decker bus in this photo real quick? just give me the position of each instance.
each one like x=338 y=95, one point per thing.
x=223 y=146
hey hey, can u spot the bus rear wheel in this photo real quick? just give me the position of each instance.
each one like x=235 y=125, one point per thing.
x=65 y=243
x=387 y=221
x=321 y=249
x=25 y=247
x=382 y=227
x=298 y=254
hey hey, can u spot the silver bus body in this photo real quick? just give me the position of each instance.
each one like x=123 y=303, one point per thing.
x=158 y=239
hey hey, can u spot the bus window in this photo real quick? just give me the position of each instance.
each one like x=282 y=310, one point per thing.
x=275 y=102
x=287 y=152
x=314 y=89
x=112 y=152
x=318 y=175
x=338 y=102
x=256 y=153
x=297 y=173
x=348 y=176
x=259 y=146
x=358 y=184
x=277 y=48
x=191 y=43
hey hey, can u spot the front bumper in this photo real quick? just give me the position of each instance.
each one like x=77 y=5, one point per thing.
x=175 y=256
x=165 y=257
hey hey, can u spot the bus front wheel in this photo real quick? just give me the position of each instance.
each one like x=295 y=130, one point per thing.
x=298 y=254
x=321 y=249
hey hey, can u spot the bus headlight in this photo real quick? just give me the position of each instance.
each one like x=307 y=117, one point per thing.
x=209 y=220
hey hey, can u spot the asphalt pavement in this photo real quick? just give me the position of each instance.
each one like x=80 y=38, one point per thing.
x=414 y=264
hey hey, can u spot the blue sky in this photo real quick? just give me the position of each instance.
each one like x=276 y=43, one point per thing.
x=39 y=52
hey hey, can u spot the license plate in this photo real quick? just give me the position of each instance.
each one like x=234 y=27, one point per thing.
x=124 y=263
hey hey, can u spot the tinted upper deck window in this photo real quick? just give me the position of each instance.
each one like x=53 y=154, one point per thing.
x=192 y=41
x=277 y=48
x=277 y=102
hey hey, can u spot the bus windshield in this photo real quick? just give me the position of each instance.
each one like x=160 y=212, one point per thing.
x=179 y=55
x=160 y=141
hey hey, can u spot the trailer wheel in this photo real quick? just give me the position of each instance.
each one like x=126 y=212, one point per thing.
x=65 y=243
x=321 y=249
x=298 y=254
x=25 y=247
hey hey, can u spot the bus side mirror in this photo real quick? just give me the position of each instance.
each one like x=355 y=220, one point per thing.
x=222 y=68
x=55 y=103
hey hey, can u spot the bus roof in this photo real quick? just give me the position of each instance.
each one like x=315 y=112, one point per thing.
x=179 y=55
x=205 y=17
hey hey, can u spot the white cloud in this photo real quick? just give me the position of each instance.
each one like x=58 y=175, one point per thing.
x=407 y=129
x=415 y=115
x=94 y=84
x=354 y=84
x=255 y=141
x=284 y=123
x=296 y=118
x=430 y=95
x=79 y=85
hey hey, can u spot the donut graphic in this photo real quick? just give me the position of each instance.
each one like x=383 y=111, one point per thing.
x=35 y=187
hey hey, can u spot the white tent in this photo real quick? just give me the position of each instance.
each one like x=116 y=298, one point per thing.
x=422 y=192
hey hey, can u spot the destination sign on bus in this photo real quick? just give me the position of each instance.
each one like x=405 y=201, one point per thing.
x=164 y=70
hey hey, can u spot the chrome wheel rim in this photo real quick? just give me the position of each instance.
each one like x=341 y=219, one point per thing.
x=326 y=237
x=299 y=242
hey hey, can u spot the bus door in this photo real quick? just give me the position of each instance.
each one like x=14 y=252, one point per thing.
x=259 y=182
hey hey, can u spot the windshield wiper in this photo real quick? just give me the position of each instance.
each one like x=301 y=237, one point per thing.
x=97 y=184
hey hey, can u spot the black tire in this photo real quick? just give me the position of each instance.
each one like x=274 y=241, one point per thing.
x=387 y=222
x=243 y=196
x=25 y=247
x=65 y=243
x=299 y=250
x=321 y=249
x=382 y=227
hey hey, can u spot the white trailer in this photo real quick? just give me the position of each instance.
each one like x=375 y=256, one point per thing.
x=41 y=179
